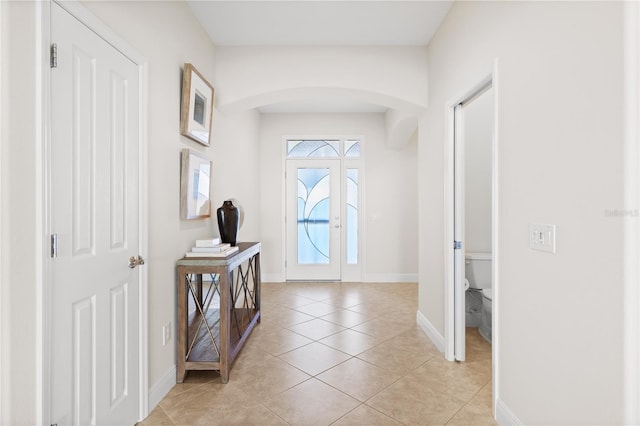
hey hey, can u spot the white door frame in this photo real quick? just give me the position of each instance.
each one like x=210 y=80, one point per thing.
x=349 y=273
x=477 y=86
x=459 y=187
x=2 y=282
x=44 y=97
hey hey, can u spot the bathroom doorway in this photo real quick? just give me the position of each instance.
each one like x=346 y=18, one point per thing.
x=471 y=218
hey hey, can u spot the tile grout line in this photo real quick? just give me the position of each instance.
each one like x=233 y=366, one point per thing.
x=382 y=346
x=167 y=414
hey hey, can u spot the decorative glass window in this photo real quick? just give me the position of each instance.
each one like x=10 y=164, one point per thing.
x=352 y=216
x=352 y=148
x=313 y=148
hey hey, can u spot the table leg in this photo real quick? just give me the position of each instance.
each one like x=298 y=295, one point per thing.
x=182 y=324
x=226 y=280
x=257 y=284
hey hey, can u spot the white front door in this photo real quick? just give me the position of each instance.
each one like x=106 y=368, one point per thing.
x=313 y=219
x=94 y=310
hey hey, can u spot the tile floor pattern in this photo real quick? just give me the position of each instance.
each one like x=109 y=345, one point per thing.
x=338 y=354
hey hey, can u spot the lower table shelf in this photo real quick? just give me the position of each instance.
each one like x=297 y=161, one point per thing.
x=202 y=349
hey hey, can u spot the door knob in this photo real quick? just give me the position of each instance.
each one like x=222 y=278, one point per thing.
x=135 y=261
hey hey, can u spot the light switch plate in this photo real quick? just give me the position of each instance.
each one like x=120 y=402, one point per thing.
x=542 y=237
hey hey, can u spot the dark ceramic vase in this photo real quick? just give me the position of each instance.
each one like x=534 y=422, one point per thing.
x=228 y=222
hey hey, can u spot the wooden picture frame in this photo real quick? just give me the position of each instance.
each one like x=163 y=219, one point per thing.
x=195 y=185
x=196 y=108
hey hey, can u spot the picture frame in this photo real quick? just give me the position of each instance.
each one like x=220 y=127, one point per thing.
x=196 y=108
x=195 y=185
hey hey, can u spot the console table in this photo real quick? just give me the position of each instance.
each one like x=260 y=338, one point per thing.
x=216 y=317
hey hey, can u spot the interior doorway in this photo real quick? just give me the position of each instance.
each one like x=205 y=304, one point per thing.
x=455 y=215
x=473 y=134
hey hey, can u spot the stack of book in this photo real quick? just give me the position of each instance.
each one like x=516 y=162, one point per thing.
x=211 y=248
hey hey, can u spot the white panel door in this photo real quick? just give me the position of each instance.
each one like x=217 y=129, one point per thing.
x=94 y=212
x=313 y=220
x=458 y=236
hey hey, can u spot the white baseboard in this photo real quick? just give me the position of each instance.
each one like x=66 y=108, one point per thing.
x=272 y=278
x=390 y=278
x=430 y=331
x=367 y=278
x=161 y=388
x=504 y=416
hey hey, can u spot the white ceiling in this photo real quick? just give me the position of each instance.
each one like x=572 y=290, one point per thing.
x=326 y=23
x=320 y=23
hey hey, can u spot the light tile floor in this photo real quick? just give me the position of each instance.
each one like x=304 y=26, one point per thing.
x=338 y=354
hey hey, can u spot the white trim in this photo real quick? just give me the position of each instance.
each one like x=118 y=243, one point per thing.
x=3 y=335
x=390 y=278
x=495 y=238
x=449 y=300
x=283 y=211
x=631 y=325
x=42 y=124
x=143 y=229
x=161 y=388
x=459 y=212
x=77 y=10
x=430 y=330
x=504 y=415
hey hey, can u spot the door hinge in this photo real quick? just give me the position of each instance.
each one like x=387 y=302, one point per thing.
x=457 y=245
x=54 y=245
x=54 y=55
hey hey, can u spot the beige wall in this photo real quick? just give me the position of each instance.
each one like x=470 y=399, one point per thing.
x=560 y=100
x=395 y=73
x=20 y=218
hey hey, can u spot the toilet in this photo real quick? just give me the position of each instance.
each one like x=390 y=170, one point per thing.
x=485 y=317
x=478 y=275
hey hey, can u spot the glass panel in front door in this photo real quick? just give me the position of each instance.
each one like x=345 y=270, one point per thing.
x=352 y=216
x=313 y=215
x=314 y=235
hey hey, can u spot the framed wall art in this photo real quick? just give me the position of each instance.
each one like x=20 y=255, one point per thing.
x=196 y=108
x=195 y=185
